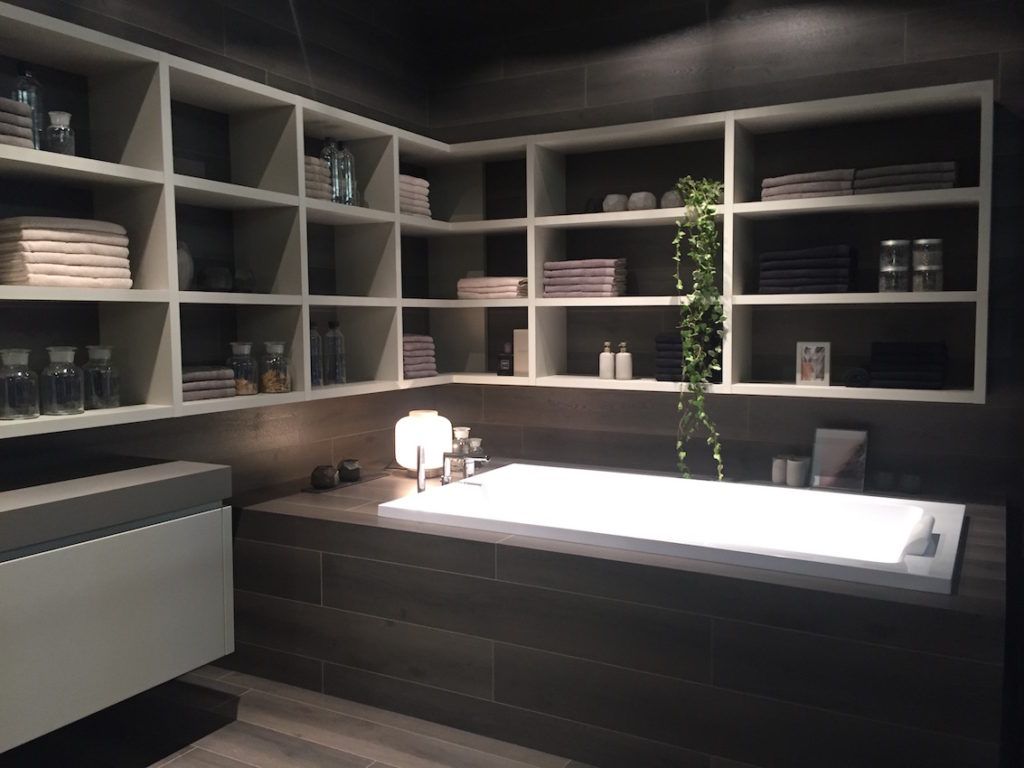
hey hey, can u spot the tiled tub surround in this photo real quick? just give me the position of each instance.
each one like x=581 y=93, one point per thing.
x=615 y=658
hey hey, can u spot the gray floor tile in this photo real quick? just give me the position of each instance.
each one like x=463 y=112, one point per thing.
x=211 y=671
x=265 y=748
x=524 y=755
x=200 y=758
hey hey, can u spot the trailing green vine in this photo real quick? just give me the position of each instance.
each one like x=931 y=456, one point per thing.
x=701 y=316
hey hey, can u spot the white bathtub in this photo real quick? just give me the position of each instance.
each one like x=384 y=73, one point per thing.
x=867 y=539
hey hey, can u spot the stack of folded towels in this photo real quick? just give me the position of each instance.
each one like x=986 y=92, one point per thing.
x=204 y=382
x=907 y=365
x=80 y=253
x=491 y=287
x=413 y=195
x=318 y=178
x=826 y=269
x=584 y=277
x=838 y=181
x=15 y=123
x=418 y=360
x=668 y=356
x=905 y=178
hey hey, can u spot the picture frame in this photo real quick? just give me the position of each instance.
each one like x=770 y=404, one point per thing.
x=813 y=363
x=840 y=459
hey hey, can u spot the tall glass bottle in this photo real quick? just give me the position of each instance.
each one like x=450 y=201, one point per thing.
x=342 y=165
x=28 y=91
x=19 y=386
x=63 y=388
x=334 y=355
x=316 y=356
x=102 y=380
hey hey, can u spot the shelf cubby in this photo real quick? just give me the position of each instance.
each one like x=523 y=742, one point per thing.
x=432 y=266
x=261 y=243
x=234 y=134
x=359 y=260
x=372 y=351
x=373 y=151
x=466 y=339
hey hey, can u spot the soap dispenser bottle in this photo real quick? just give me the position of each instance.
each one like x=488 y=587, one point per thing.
x=606 y=362
x=623 y=362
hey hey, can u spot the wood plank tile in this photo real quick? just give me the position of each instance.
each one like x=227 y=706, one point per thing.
x=264 y=748
x=628 y=634
x=201 y=758
x=275 y=665
x=271 y=569
x=504 y=749
x=431 y=656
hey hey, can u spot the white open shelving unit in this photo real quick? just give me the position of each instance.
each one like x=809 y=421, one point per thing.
x=136 y=96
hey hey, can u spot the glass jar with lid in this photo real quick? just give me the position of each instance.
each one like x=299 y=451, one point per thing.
x=275 y=369
x=928 y=268
x=63 y=390
x=244 y=365
x=894 y=254
x=893 y=279
x=102 y=379
x=19 y=386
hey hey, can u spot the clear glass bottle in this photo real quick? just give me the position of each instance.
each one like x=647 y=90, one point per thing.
x=316 y=356
x=244 y=365
x=63 y=390
x=102 y=380
x=60 y=136
x=342 y=165
x=27 y=90
x=19 y=386
x=334 y=355
x=275 y=369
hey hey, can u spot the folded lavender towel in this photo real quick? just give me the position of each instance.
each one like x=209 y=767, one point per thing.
x=418 y=374
x=801 y=195
x=948 y=166
x=592 y=272
x=420 y=367
x=463 y=294
x=64 y=281
x=417 y=337
x=414 y=193
x=6 y=129
x=62 y=224
x=584 y=264
x=208 y=394
x=903 y=178
x=580 y=294
x=12 y=119
x=810 y=186
x=417 y=355
x=15 y=107
x=198 y=386
x=835 y=174
x=903 y=188
x=65 y=259
x=555 y=281
x=15 y=141
x=206 y=373
x=65 y=236
x=412 y=181
x=415 y=346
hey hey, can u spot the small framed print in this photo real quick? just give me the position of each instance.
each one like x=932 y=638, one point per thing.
x=812 y=363
x=840 y=459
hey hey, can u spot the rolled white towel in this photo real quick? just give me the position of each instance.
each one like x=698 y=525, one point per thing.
x=642 y=201
x=614 y=203
x=61 y=224
x=11 y=269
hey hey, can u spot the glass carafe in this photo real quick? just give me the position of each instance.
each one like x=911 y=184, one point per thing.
x=334 y=355
x=60 y=136
x=63 y=391
x=316 y=356
x=244 y=365
x=102 y=380
x=275 y=369
x=19 y=386
x=27 y=90
x=342 y=165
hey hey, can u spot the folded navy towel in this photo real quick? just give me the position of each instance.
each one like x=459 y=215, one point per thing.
x=920 y=351
x=804 y=275
x=948 y=166
x=857 y=377
x=676 y=377
x=895 y=384
x=821 y=251
x=668 y=362
x=823 y=288
x=827 y=262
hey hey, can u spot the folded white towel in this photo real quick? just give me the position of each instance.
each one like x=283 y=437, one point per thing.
x=8 y=269
x=414 y=199
x=55 y=246
x=12 y=119
x=64 y=281
x=491 y=282
x=6 y=129
x=15 y=107
x=316 y=186
x=29 y=235
x=416 y=210
x=316 y=162
x=585 y=264
x=15 y=141
x=67 y=259
x=318 y=174
x=208 y=394
x=413 y=181
x=62 y=224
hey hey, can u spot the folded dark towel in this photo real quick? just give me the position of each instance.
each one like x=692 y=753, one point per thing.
x=805 y=253
x=902 y=188
x=857 y=377
x=668 y=362
x=824 y=288
x=803 y=195
x=882 y=366
x=667 y=377
x=824 y=187
x=903 y=178
x=833 y=174
x=780 y=276
x=921 y=351
x=827 y=262
x=892 y=170
x=896 y=384
x=675 y=345
x=668 y=336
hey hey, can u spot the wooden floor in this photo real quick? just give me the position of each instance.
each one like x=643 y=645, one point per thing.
x=279 y=726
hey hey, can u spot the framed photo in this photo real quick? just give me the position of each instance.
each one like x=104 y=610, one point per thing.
x=840 y=458
x=812 y=363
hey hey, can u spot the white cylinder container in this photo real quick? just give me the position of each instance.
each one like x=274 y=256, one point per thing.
x=606 y=362
x=422 y=428
x=623 y=363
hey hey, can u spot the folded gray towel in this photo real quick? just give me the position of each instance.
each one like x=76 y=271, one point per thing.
x=585 y=264
x=800 y=195
x=15 y=141
x=12 y=119
x=419 y=374
x=902 y=188
x=15 y=107
x=417 y=346
x=809 y=186
x=6 y=129
x=903 y=178
x=198 y=386
x=415 y=358
x=420 y=367
x=835 y=174
x=208 y=394
x=206 y=373
x=948 y=166
x=554 y=282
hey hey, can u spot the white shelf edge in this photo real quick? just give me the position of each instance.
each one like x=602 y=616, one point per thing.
x=490 y=379
x=927 y=198
x=347 y=390
x=827 y=299
x=116 y=295
x=463 y=303
x=240 y=299
x=99 y=418
x=612 y=301
x=858 y=393
x=657 y=217
x=567 y=381
x=337 y=214
x=318 y=300
x=429 y=381
x=238 y=403
x=204 y=192
x=488 y=226
x=40 y=164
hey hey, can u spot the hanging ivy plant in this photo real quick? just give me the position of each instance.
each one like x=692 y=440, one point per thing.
x=701 y=316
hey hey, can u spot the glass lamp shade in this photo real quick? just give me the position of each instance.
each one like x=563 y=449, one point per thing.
x=422 y=428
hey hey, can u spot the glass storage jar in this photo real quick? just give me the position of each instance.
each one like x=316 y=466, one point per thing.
x=928 y=278
x=60 y=136
x=19 y=386
x=894 y=253
x=63 y=391
x=102 y=380
x=242 y=362
x=275 y=370
x=893 y=279
x=927 y=252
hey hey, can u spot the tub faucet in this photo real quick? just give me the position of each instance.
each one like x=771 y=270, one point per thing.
x=469 y=464
x=421 y=469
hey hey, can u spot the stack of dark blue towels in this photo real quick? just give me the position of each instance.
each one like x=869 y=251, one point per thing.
x=908 y=365
x=668 y=359
x=826 y=269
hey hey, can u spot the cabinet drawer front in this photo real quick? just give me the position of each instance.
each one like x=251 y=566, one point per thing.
x=88 y=625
